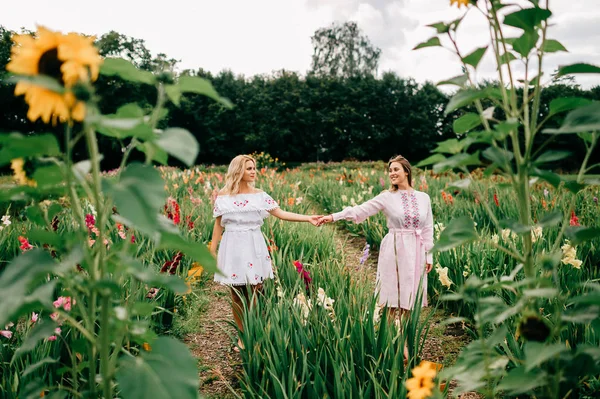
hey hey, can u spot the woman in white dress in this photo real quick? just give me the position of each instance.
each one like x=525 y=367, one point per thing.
x=243 y=258
x=404 y=256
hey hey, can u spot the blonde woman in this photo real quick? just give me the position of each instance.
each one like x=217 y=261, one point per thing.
x=404 y=255
x=243 y=258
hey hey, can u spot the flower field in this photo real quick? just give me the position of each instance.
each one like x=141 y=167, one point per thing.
x=317 y=331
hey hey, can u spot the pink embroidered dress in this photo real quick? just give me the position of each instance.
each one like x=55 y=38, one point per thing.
x=405 y=249
x=243 y=256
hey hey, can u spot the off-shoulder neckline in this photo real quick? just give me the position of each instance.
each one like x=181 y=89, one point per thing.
x=235 y=195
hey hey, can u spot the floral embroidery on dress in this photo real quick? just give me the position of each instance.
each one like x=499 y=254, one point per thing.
x=250 y=265
x=270 y=201
x=406 y=210
x=234 y=276
x=268 y=257
x=240 y=203
x=415 y=210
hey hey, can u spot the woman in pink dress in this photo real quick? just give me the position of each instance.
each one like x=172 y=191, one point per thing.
x=404 y=256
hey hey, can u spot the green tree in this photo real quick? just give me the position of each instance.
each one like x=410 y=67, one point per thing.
x=342 y=50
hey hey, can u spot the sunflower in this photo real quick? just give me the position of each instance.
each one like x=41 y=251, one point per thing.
x=69 y=59
x=19 y=174
x=460 y=3
x=421 y=384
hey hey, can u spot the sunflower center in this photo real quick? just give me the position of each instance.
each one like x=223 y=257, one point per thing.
x=49 y=65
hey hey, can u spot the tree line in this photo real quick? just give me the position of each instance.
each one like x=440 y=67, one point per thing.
x=329 y=114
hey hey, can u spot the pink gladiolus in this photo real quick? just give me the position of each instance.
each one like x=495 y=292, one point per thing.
x=52 y=338
x=6 y=334
x=64 y=302
x=57 y=330
x=34 y=317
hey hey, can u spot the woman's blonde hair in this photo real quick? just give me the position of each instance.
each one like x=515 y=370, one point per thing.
x=235 y=172
x=405 y=165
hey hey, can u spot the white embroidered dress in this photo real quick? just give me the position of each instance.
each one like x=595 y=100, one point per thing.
x=405 y=249
x=243 y=256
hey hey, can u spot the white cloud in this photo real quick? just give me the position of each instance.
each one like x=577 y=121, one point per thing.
x=260 y=36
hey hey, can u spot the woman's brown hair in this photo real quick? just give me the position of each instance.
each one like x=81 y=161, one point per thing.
x=405 y=165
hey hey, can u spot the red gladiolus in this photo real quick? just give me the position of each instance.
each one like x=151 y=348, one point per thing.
x=496 y=199
x=574 y=219
x=303 y=273
x=25 y=245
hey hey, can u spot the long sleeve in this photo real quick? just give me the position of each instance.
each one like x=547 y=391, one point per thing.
x=361 y=212
x=427 y=232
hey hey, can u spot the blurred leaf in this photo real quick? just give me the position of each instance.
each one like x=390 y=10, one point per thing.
x=474 y=58
x=168 y=371
x=577 y=68
x=432 y=42
x=550 y=177
x=537 y=353
x=566 y=104
x=450 y=146
x=179 y=143
x=126 y=70
x=553 y=46
x=173 y=93
x=551 y=156
x=430 y=160
x=138 y=194
x=23 y=287
x=461 y=184
x=34 y=214
x=514 y=225
x=582 y=119
x=551 y=219
x=466 y=122
x=200 y=253
x=519 y=381
x=459 y=80
x=527 y=19
x=154 y=152
x=499 y=156
x=579 y=234
x=40 y=331
x=16 y=145
x=192 y=84
x=44 y=81
x=467 y=96
x=35 y=366
x=456 y=161
x=152 y=277
x=541 y=293
x=524 y=44
x=507 y=58
x=460 y=231
x=48 y=176
x=440 y=27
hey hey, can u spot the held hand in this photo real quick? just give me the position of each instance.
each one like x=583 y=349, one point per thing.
x=314 y=220
x=428 y=267
x=325 y=219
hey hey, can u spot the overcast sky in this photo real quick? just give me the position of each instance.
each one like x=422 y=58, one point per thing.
x=261 y=36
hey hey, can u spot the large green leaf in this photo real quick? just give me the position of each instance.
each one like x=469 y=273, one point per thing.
x=579 y=234
x=527 y=19
x=179 y=143
x=460 y=231
x=547 y=175
x=498 y=155
x=192 y=84
x=138 y=194
x=466 y=122
x=23 y=285
x=553 y=46
x=582 y=119
x=459 y=81
x=432 y=42
x=457 y=161
x=519 y=381
x=551 y=156
x=430 y=160
x=41 y=331
x=168 y=371
x=524 y=44
x=466 y=97
x=126 y=70
x=16 y=145
x=474 y=58
x=537 y=353
x=152 y=277
x=128 y=121
x=199 y=252
x=566 y=104
x=153 y=152
x=507 y=58
x=48 y=176
x=577 y=68
x=450 y=146
x=551 y=219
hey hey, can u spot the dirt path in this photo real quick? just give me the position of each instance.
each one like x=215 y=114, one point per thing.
x=213 y=347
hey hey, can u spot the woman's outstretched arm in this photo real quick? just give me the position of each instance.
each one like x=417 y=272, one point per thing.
x=295 y=217
x=358 y=213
